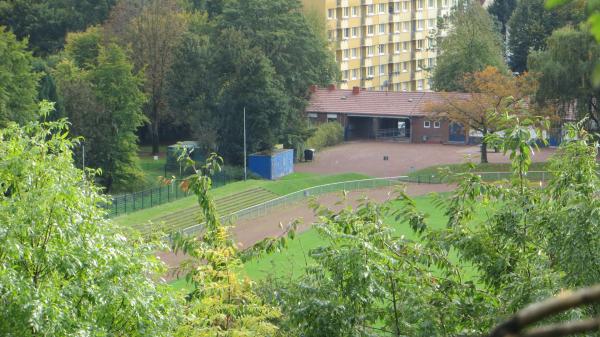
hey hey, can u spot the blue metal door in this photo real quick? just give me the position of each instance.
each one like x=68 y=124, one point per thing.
x=457 y=133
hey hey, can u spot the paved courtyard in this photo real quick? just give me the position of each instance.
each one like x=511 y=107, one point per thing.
x=367 y=157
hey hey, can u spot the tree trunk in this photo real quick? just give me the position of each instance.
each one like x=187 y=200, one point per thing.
x=484 y=145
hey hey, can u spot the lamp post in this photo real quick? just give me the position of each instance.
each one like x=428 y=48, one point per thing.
x=245 y=172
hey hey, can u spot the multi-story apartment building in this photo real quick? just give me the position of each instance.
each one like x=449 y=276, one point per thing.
x=383 y=44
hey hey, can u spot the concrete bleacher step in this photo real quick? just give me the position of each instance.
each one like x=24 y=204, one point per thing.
x=225 y=206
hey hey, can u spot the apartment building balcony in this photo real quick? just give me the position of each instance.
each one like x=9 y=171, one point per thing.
x=342 y=3
x=344 y=65
x=367 y=20
x=342 y=44
x=367 y=41
x=367 y=62
x=366 y=2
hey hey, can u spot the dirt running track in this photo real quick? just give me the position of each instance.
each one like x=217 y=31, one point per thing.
x=367 y=157
x=249 y=231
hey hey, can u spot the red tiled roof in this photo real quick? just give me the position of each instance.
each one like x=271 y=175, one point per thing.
x=380 y=103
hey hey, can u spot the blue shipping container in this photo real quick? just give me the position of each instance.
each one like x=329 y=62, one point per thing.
x=273 y=165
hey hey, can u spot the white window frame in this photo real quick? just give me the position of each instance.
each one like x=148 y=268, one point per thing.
x=331 y=14
x=382 y=28
x=345 y=12
x=430 y=2
x=419 y=5
x=346 y=54
x=370 y=72
x=406 y=6
x=354 y=74
x=397 y=47
x=382 y=66
x=419 y=25
x=381 y=49
x=355 y=11
x=406 y=26
x=427 y=124
x=332 y=117
x=370 y=30
x=437 y=124
x=355 y=31
x=345 y=33
x=370 y=51
x=370 y=10
x=405 y=46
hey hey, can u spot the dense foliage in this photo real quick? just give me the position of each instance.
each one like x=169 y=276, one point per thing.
x=64 y=269
x=18 y=81
x=46 y=22
x=471 y=45
x=326 y=134
x=102 y=97
x=531 y=24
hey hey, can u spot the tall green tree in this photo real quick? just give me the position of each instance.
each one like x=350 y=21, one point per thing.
x=46 y=22
x=531 y=24
x=102 y=97
x=152 y=29
x=18 y=81
x=566 y=68
x=502 y=11
x=472 y=44
x=64 y=269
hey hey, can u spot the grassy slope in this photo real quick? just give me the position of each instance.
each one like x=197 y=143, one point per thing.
x=286 y=185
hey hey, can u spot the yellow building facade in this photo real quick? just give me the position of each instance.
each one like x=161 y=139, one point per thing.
x=383 y=44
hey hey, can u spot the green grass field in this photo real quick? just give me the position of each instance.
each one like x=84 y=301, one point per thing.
x=291 y=262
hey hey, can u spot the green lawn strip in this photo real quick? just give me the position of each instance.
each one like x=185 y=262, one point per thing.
x=300 y=181
x=461 y=168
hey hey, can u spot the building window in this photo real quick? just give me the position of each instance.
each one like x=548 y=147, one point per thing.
x=355 y=11
x=419 y=5
x=420 y=85
x=397 y=48
x=406 y=6
x=331 y=13
x=331 y=117
x=397 y=7
x=354 y=74
x=346 y=54
x=419 y=65
x=406 y=26
x=397 y=26
x=313 y=118
x=345 y=75
x=382 y=8
x=346 y=33
x=370 y=10
x=354 y=53
x=405 y=66
x=345 y=12
x=382 y=28
x=444 y=3
x=355 y=31
x=381 y=49
x=437 y=124
x=370 y=72
x=419 y=25
x=405 y=46
x=431 y=62
x=370 y=50
x=405 y=86
x=419 y=44
x=331 y=35
x=382 y=69
x=431 y=3
x=427 y=124
x=370 y=30
x=432 y=24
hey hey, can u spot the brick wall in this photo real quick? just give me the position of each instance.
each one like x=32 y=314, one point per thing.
x=421 y=134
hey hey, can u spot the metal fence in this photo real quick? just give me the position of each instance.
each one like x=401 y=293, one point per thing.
x=131 y=202
x=292 y=198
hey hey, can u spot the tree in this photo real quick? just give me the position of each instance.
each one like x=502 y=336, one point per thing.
x=531 y=24
x=104 y=102
x=565 y=69
x=152 y=29
x=222 y=302
x=18 y=81
x=65 y=269
x=502 y=11
x=490 y=94
x=471 y=45
x=262 y=55
x=46 y=22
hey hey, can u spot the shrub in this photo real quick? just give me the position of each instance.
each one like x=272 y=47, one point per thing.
x=328 y=134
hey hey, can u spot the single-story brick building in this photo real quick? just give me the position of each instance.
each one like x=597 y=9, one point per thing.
x=387 y=115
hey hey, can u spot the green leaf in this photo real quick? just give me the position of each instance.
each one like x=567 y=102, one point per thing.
x=594 y=21
x=555 y=3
